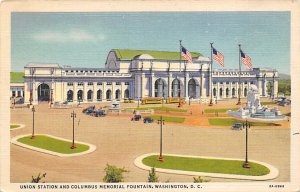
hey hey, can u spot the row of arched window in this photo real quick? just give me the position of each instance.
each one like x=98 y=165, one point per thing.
x=89 y=95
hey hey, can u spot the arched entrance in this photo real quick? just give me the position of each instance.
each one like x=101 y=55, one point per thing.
x=118 y=94
x=79 y=95
x=99 y=95
x=176 y=88
x=43 y=92
x=70 y=96
x=108 y=94
x=192 y=88
x=227 y=92
x=90 y=95
x=126 y=94
x=160 y=88
x=233 y=92
x=245 y=92
x=214 y=92
x=221 y=92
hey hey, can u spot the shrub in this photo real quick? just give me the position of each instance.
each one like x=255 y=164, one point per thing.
x=152 y=176
x=114 y=174
x=38 y=178
x=200 y=180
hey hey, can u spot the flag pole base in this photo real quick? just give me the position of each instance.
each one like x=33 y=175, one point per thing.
x=73 y=146
x=161 y=159
x=246 y=165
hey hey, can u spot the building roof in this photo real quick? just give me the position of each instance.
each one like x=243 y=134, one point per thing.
x=16 y=77
x=126 y=54
x=42 y=65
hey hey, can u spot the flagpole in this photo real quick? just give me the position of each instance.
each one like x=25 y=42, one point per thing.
x=210 y=75
x=180 y=50
x=239 y=89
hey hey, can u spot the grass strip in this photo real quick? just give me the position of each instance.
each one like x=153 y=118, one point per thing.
x=206 y=165
x=53 y=144
x=169 y=119
x=231 y=121
x=14 y=126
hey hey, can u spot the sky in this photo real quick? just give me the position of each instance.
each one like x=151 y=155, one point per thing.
x=85 y=39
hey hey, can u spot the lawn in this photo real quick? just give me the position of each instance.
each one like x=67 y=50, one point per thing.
x=52 y=144
x=206 y=165
x=267 y=103
x=170 y=119
x=163 y=108
x=231 y=121
x=221 y=110
x=14 y=126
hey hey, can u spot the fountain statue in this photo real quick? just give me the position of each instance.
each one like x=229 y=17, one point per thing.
x=254 y=110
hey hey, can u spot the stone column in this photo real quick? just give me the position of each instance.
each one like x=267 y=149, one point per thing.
x=95 y=91
x=152 y=85
x=74 y=91
x=170 y=85
x=113 y=87
x=186 y=85
x=84 y=92
x=275 y=88
x=230 y=89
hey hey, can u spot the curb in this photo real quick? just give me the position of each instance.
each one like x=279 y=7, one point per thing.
x=14 y=140
x=272 y=175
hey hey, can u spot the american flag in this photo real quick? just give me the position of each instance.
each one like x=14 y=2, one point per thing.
x=246 y=60
x=186 y=54
x=217 y=56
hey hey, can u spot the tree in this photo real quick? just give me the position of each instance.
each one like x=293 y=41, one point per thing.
x=200 y=180
x=152 y=176
x=38 y=178
x=114 y=174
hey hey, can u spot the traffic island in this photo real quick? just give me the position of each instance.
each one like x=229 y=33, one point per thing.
x=53 y=145
x=16 y=126
x=207 y=166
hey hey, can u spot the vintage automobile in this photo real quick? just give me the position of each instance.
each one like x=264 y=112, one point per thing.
x=237 y=126
x=136 y=118
x=148 y=120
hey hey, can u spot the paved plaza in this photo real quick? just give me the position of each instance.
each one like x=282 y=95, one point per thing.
x=119 y=141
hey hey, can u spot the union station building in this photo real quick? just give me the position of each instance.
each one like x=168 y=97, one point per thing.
x=137 y=74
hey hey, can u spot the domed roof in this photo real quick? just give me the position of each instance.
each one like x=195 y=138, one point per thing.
x=143 y=56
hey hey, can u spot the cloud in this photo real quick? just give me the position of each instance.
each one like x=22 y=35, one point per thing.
x=74 y=35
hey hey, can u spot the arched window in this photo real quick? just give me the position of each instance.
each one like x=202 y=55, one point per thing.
x=99 y=95
x=159 y=87
x=118 y=94
x=108 y=94
x=176 y=88
x=43 y=92
x=79 y=95
x=245 y=92
x=221 y=92
x=90 y=95
x=214 y=92
x=192 y=88
x=70 y=96
x=227 y=92
x=233 y=92
x=126 y=94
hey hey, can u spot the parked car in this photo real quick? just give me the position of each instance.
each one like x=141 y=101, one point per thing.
x=148 y=120
x=136 y=118
x=237 y=126
x=99 y=113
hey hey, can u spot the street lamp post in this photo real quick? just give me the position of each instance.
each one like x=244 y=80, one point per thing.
x=73 y=115
x=138 y=102
x=161 y=122
x=246 y=163
x=33 y=111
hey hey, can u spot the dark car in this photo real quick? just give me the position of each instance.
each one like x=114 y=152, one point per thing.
x=237 y=126
x=99 y=113
x=148 y=120
x=136 y=118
